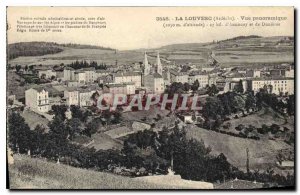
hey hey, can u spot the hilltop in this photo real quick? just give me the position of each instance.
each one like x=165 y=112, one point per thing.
x=237 y=51
x=36 y=48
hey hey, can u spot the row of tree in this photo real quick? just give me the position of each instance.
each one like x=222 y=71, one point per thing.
x=155 y=152
x=84 y=64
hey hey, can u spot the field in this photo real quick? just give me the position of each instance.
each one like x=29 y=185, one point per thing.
x=262 y=152
x=70 y=55
x=242 y=52
x=29 y=173
x=265 y=116
x=33 y=119
x=105 y=142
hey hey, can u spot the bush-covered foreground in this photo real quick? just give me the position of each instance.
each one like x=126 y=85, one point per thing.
x=144 y=153
x=34 y=173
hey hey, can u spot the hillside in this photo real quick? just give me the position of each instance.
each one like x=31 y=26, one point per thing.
x=16 y=50
x=237 y=51
x=33 y=173
x=262 y=152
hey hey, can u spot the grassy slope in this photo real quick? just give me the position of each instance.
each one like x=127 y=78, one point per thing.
x=262 y=152
x=32 y=173
x=248 y=52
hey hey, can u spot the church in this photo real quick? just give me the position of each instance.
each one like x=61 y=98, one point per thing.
x=153 y=80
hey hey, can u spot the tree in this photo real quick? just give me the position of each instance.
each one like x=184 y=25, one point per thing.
x=195 y=85
x=43 y=76
x=212 y=90
x=212 y=108
x=74 y=127
x=291 y=105
x=58 y=128
x=60 y=110
x=186 y=87
x=78 y=113
x=92 y=127
x=239 y=87
x=18 y=133
x=18 y=68
x=250 y=101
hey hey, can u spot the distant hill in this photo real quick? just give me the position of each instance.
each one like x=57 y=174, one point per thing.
x=32 y=49
x=42 y=48
x=80 y=46
x=241 y=37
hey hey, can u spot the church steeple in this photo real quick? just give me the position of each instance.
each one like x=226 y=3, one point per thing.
x=146 y=66
x=158 y=63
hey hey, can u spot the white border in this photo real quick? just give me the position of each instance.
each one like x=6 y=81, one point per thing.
x=5 y=3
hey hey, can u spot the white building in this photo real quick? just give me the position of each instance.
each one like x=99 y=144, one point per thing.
x=47 y=74
x=37 y=99
x=128 y=77
x=69 y=74
x=176 y=76
x=290 y=73
x=90 y=74
x=72 y=97
x=202 y=77
x=80 y=77
x=256 y=73
x=120 y=88
x=101 y=73
x=279 y=85
x=153 y=80
x=154 y=83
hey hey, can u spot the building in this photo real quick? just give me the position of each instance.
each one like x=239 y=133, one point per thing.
x=90 y=74
x=175 y=76
x=154 y=83
x=290 y=73
x=72 y=97
x=275 y=85
x=101 y=73
x=46 y=74
x=202 y=77
x=37 y=99
x=128 y=77
x=212 y=80
x=80 y=77
x=120 y=88
x=69 y=74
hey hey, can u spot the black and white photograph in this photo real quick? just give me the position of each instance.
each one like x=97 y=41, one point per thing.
x=150 y=98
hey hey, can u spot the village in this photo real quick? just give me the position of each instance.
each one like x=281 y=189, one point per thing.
x=229 y=100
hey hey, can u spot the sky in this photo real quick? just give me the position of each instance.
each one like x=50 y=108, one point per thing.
x=137 y=27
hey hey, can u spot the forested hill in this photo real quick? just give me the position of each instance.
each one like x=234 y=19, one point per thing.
x=42 y=48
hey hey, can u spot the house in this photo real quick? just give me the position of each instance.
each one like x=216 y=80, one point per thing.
x=71 y=96
x=90 y=74
x=37 y=99
x=46 y=74
x=128 y=77
x=186 y=118
x=69 y=74
x=176 y=76
x=118 y=88
x=85 y=95
x=80 y=77
x=101 y=73
x=154 y=83
x=276 y=85
x=202 y=77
